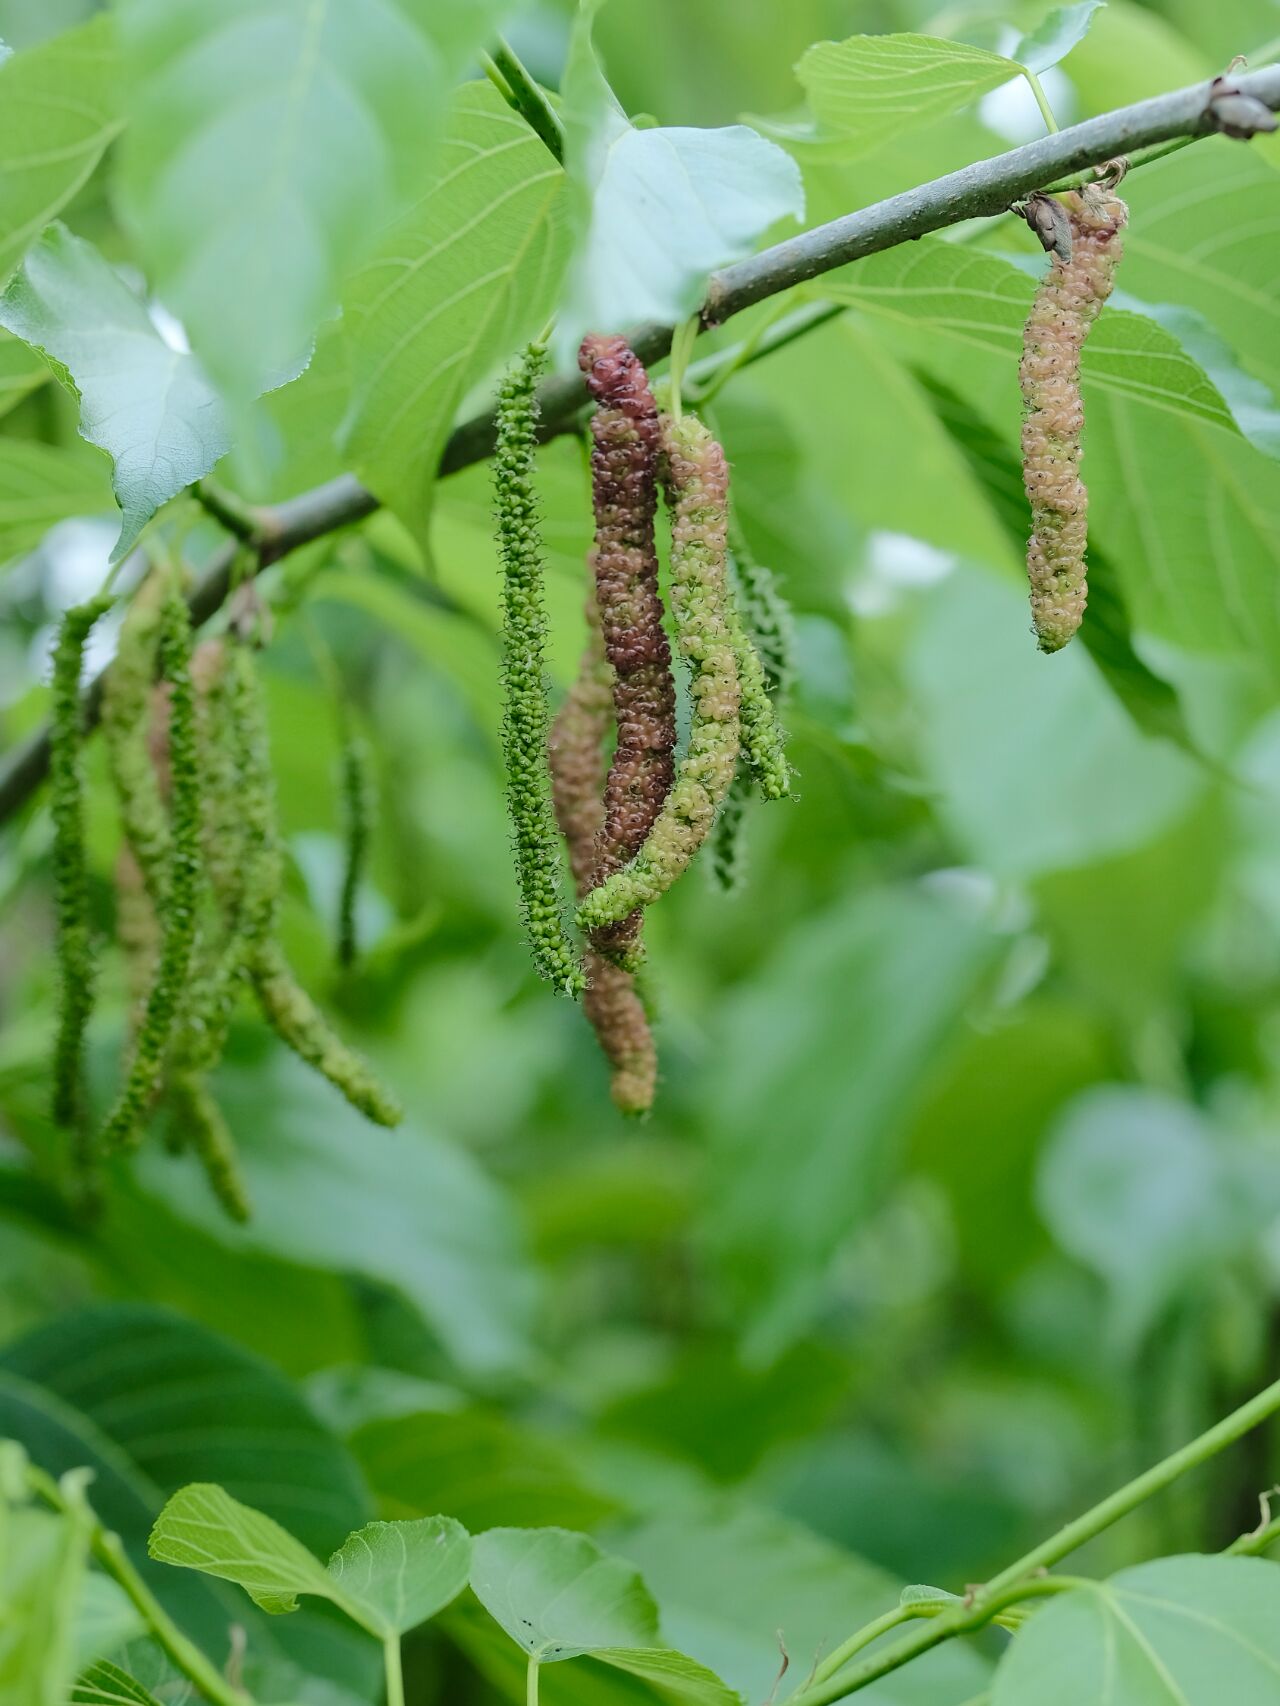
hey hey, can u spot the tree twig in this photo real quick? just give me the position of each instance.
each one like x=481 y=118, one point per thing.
x=984 y=189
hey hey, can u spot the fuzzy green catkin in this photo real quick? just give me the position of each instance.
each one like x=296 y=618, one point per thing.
x=696 y=478
x=181 y=887
x=198 y=1124
x=357 y=819
x=611 y=1002
x=728 y=838
x=525 y=716
x=299 y=1023
x=128 y=729
x=287 y=1007
x=1067 y=303
x=766 y=615
x=70 y=882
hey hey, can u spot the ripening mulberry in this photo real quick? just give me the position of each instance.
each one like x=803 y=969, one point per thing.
x=696 y=478
x=610 y=1002
x=624 y=560
x=1066 y=305
x=525 y=717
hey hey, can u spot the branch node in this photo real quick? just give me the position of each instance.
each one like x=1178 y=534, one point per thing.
x=1234 y=114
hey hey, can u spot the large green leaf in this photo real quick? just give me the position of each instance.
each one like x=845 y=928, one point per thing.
x=558 y=1595
x=655 y=211
x=866 y=90
x=146 y=404
x=877 y=984
x=470 y=273
x=983 y=299
x=58 y=112
x=151 y=1402
x=40 y=486
x=403 y=1207
x=1054 y=39
x=269 y=140
x=479 y=1467
x=1174 y=1631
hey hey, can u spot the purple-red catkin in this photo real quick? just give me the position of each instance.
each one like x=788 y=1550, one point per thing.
x=624 y=559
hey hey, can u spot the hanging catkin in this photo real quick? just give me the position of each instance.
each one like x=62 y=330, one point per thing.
x=129 y=733
x=1066 y=305
x=70 y=881
x=577 y=764
x=696 y=479
x=525 y=717
x=624 y=560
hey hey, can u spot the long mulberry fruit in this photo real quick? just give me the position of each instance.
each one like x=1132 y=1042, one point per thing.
x=610 y=1001
x=696 y=479
x=624 y=457
x=1066 y=305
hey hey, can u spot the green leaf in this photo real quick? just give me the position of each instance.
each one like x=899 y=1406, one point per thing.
x=22 y=371
x=269 y=141
x=40 y=486
x=463 y=279
x=403 y=1573
x=43 y=1559
x=654 y=212
x=1170 y=1631
x=203 y=1528
x=983 y=299
x=147 y=405
x=58 y=112
x=866 y=90
x=479 y=1467
x=1056 y=36
x=105 y=1684
x=106 y=1619
x=878 y=984
x=405 y=1208
x=558 y=1595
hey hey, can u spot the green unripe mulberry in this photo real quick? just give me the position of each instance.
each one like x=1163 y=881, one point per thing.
x=70 y=882
x=696 y=479
x=525 y=717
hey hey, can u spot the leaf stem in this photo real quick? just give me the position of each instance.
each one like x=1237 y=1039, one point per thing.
x=228 y=511
x=510 y=78
x=394 y=1670
x=108 y=1549
x=1042 y=101
x=531 y=1682
x=1020 y=1579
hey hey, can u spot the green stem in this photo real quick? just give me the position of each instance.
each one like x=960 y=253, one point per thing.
x=1013 y=1583
x=682 y=343
x=513 y=82
x=228 y=511
x=839 y=1658
x=110 y=1553
x=394 y=1670
x=531 y=1683
x=1042 y=100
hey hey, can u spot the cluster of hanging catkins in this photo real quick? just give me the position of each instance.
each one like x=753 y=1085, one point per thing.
x=632 y=820
x=198 y=883
x=1081 y=230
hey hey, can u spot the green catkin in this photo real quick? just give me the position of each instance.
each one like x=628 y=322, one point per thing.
x=128 y=730
x=696 y=478
x=728 y=838
x=286 y=1006
x=1069 y=300
x=766 y=614
x=181 y=889
x=526 y=720
x=70 y=881
x=357 y=815
x=198 y=1124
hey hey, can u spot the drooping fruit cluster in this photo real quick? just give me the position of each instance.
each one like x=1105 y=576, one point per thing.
x=634 y=825
x=1071 y=296
x=198 y=882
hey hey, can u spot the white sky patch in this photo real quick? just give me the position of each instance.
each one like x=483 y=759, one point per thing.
x=896 y=564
